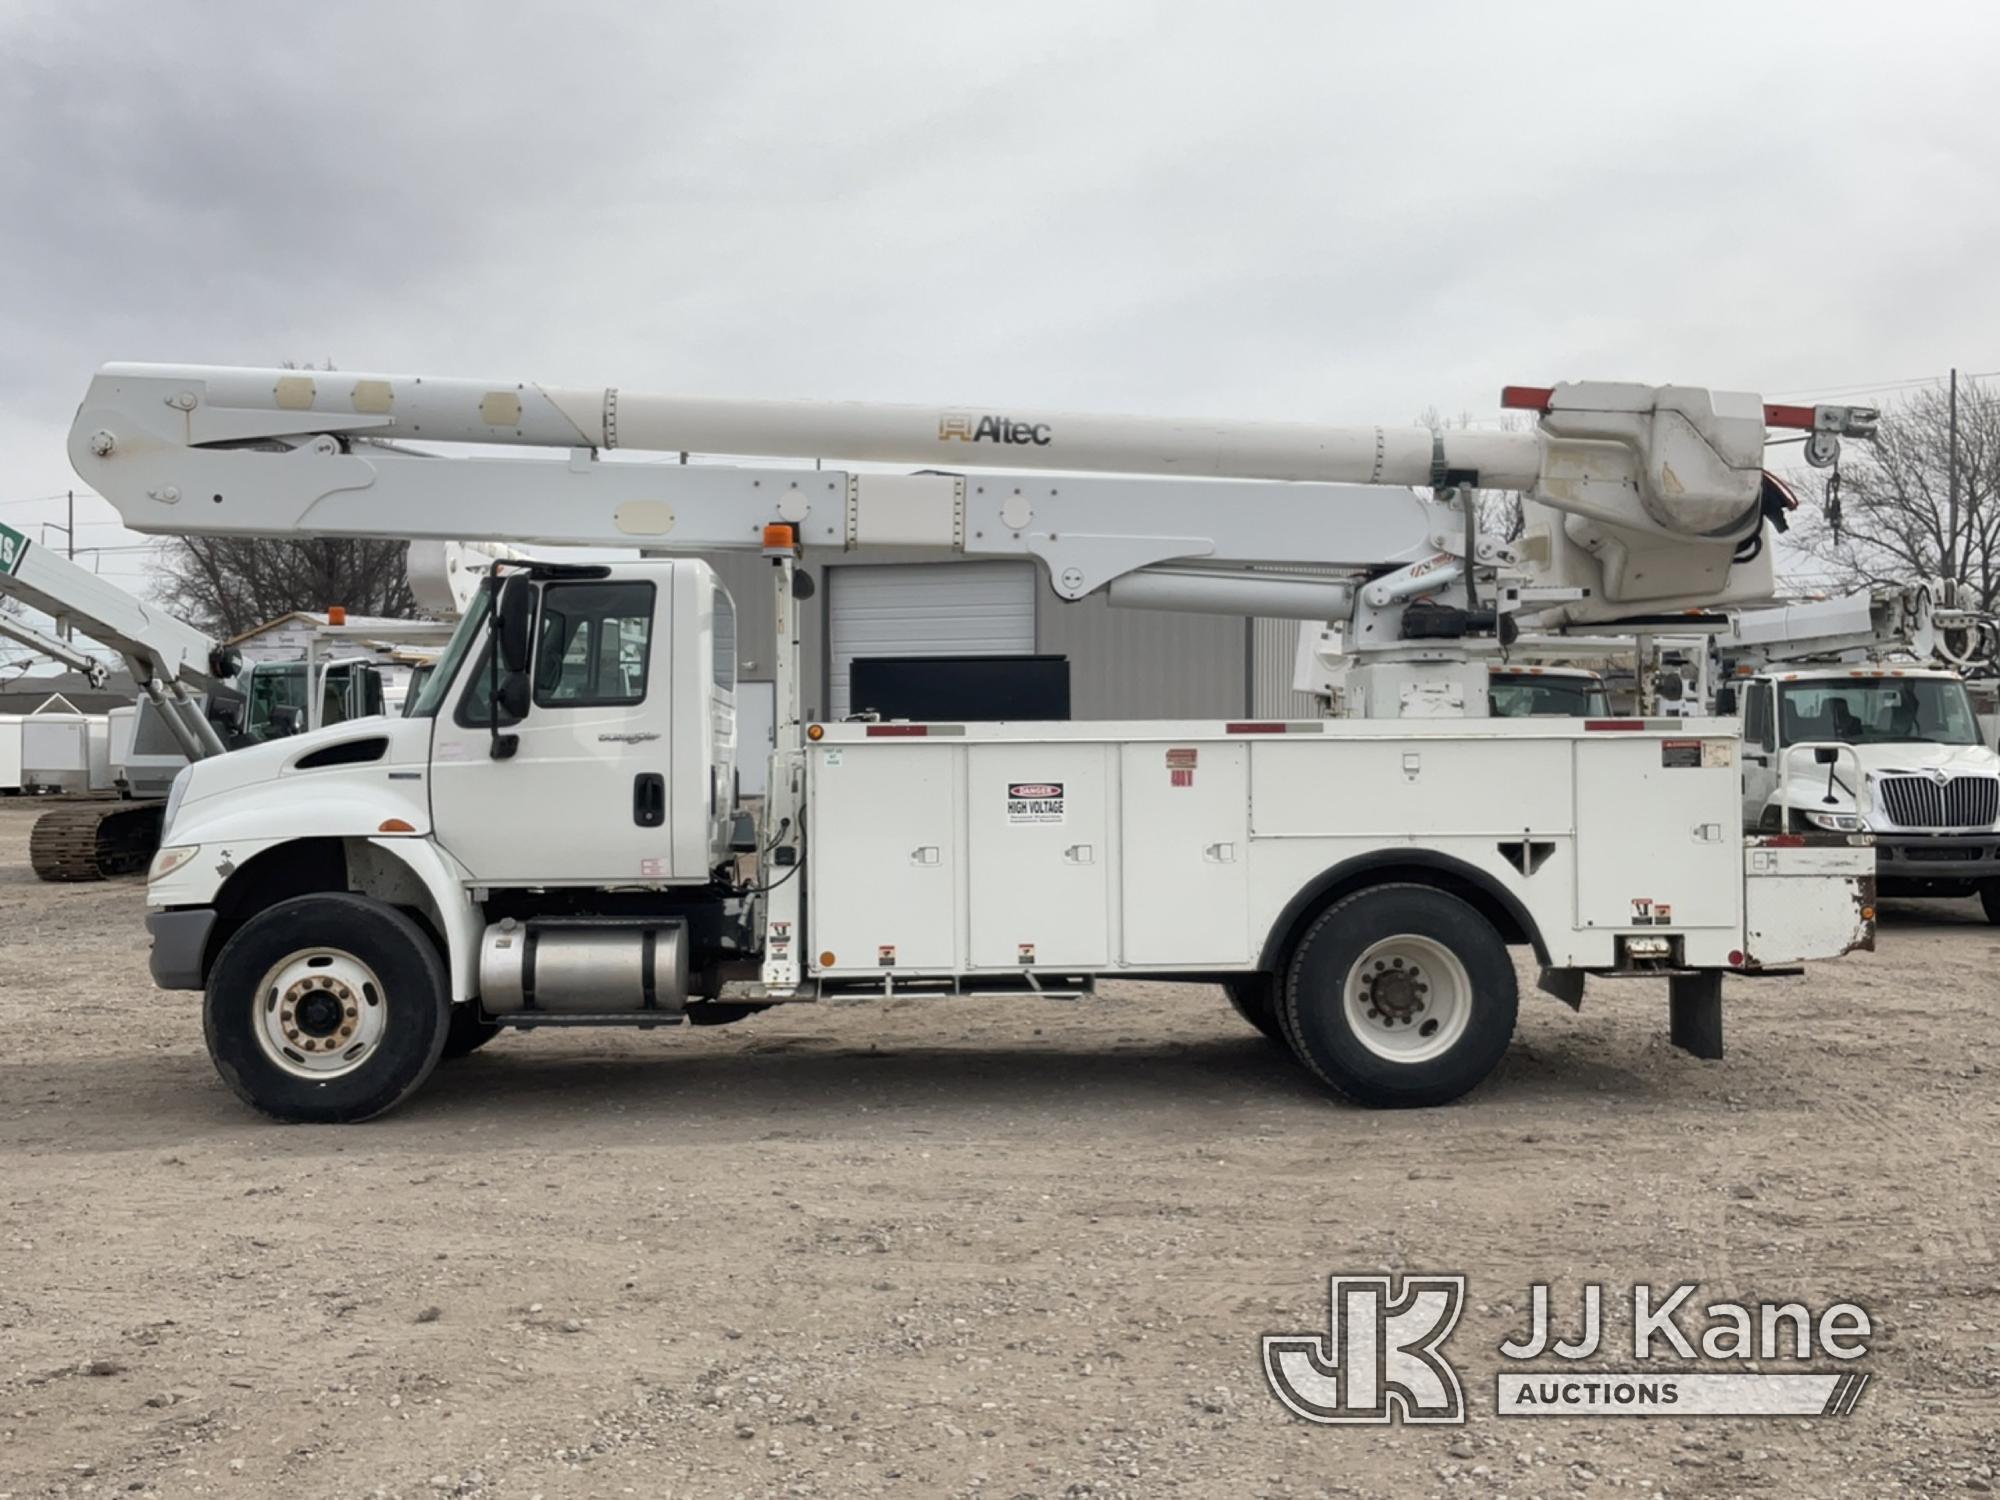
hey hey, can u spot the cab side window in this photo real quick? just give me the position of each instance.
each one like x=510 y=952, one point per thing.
x=1757 y=716
x=594 y=644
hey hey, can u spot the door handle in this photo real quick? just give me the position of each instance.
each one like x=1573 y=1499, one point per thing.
x=649 y=799
x=1758 y=760
x=1220 y=854
x=1080 y=854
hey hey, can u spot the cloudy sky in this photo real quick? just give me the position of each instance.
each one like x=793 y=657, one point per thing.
x=1315 y=210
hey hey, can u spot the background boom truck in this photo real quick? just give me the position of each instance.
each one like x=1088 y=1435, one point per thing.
x=195 y=698
x=550 y=840
x=173 y=664
x=1852 y=722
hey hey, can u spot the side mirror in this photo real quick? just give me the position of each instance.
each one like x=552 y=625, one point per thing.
x=1671 y=687
x=515 y=620
x=512 y=696
x=1725 y=701
x=1826 y=755
x=285 y=720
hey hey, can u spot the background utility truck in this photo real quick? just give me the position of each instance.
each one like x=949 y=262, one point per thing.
x=550 y=838
x=1859 y=679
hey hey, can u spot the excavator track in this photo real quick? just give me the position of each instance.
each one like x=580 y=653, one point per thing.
x=95 y=840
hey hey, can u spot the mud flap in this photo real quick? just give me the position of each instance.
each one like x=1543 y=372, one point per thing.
x=1565 y=984
x=1694 y=1013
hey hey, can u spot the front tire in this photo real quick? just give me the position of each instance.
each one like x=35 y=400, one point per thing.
x=1400 y=996
x=1989 y=898
x=327 y=1009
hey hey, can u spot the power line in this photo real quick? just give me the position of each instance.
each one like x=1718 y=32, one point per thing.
x=1861 y=389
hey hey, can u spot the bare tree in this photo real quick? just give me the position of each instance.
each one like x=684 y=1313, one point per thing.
x=226 y=585
x=1893 y=521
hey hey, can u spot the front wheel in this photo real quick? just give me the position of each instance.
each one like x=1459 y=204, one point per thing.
x=1399 y=996
x=1989 y=898
x=327 y=1008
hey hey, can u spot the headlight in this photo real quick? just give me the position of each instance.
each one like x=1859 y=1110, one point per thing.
x=174 y=794
x=1835 y=822
x=171 y=859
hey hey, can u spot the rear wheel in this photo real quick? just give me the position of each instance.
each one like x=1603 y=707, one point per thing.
x=1255 y=997
x=1400 y=995
x=327 y=1008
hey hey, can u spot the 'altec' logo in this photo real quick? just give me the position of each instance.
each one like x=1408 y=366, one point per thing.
x=963 y=427
x=13 y=547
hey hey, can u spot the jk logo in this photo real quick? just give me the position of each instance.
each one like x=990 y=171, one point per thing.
x=1379 y=1361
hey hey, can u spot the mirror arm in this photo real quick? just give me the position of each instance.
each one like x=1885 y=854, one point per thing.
x=499 y=746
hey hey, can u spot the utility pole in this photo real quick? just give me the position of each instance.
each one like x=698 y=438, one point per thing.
x=1951 y=465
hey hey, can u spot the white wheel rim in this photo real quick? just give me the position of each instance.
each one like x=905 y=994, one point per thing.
x=1408 y=999
x=321 y=1013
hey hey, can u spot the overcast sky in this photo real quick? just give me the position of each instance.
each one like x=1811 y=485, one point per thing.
x=1316 y=210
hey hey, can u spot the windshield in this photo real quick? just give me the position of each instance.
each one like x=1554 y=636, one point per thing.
x=438 y=683
x=1527 y=696
x=1877 y=711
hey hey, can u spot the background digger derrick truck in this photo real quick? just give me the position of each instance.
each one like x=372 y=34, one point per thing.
x=548 y=840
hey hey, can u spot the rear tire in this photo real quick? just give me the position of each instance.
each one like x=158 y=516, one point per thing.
x=1989 y=898
x=1400 y=996
x=327 y=1008
x=1255 y=998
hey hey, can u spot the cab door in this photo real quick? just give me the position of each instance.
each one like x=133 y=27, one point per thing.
x=1760 y=752
x=583 y=799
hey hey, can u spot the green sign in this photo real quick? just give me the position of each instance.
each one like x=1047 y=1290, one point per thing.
x=13 y=547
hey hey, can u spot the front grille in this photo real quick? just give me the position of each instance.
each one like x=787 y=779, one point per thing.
x=1923 y=802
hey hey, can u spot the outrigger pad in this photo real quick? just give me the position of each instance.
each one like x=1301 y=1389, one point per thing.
x=1694 y=1013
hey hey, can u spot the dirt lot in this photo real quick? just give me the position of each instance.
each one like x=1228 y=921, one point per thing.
x=937 y=1248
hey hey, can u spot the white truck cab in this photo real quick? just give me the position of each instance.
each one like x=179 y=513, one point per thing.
x=1893 y=751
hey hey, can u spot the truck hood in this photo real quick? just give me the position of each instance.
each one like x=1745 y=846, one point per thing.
x=1913 y=758
x=403 y=742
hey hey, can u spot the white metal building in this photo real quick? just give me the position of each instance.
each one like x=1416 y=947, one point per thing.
x=1124 y=663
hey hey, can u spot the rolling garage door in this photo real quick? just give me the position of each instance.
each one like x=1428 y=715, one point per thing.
x=925 y=609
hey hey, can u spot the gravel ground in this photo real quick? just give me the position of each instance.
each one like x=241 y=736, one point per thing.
x=958 y=1248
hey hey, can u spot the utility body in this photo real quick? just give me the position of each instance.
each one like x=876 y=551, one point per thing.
x=551 y=837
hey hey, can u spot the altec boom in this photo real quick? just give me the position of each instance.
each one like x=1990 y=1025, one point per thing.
x=549 y=839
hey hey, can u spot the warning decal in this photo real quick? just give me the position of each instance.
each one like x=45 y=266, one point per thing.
x=1035 y=802
x=1180 y=766
x=1680 y=753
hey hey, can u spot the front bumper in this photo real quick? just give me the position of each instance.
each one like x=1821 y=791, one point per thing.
x=1958 y=858
x=180 y=941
